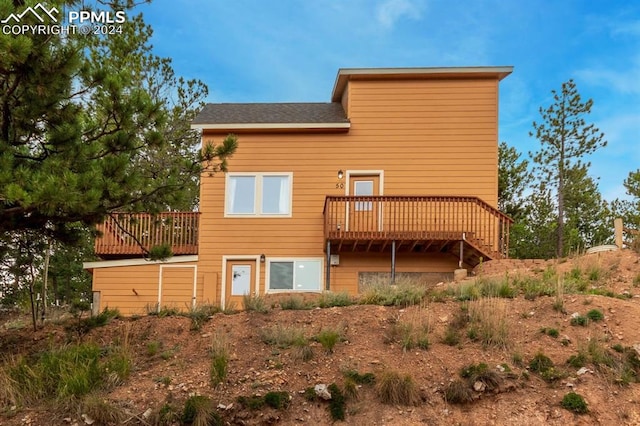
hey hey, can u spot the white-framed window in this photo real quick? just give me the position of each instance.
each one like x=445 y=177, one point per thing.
x=258 y=194
x=294 y=274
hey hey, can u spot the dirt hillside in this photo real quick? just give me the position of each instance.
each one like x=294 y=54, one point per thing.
x=171 y=361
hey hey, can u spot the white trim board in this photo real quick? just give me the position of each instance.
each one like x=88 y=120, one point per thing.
x=379 y=173
x=135 y=262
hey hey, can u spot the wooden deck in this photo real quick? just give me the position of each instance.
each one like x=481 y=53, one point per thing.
x=134 y=234
x=416 y=224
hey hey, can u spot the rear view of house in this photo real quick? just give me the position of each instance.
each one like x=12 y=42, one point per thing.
x=396 y=176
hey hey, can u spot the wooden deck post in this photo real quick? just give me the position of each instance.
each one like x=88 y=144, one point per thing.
x=327 y=275
x=393 y=262
x=617 y=224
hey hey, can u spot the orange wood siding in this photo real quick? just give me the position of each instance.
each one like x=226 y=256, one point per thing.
x=430 y=137
x=133 y=290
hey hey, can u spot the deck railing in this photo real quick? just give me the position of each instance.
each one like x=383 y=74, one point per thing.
x=128 y=233
x=417 y=217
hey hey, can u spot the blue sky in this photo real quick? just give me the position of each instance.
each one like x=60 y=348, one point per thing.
x=291 y=50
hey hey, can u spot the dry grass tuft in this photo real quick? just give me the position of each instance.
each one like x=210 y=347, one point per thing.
x=489 y=322
x=395 y=389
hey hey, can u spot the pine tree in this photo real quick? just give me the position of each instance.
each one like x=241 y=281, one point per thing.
x=513 y=179
x=90 y=125
x=82 y=123
x=588 y=218
x=565 y=140
x=629 y=209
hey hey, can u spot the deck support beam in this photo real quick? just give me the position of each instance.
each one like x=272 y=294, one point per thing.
x=393 y=262
x=327 y=275
x=461 y=253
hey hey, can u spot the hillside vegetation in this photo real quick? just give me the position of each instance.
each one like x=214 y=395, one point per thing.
x=521 y=342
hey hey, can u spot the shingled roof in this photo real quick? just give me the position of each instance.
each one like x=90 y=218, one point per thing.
x=269 y=114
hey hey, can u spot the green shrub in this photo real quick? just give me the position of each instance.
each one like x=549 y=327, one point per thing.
x=574 y=402
x=219 y=359
x=580 y=320
x=167 y=415
x=468 y=291
x=543 y=365
x=83 y=325
x=540 y=362
x=310 y=394
x=166 y=311
x=328 y=338
x=199 y=411
x=577 y=361
x=294 y=303
x=551 y=375
x=362 y=379
x=517 y=359
x=65 y=373
x=533 y=287
x=200 y=315
x=337 y=404
x=282 y=336
x=595 y=315
x=618 y=348
x=117 y=365
x=403 y=294
x=451 y=336
x=165 y=380
x=328 y=299
x=254 y=303
x=409 y=333
x=552 y=332
x=253 y=402
x=481 y=373
x=599 y=354
x=596 y=273
x=153 y=348
x=277 y=400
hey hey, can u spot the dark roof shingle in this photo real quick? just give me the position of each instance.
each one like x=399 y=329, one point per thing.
x=271 y=113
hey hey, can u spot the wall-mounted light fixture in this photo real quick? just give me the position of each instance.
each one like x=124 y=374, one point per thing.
x=262 y=258
x=340 y=174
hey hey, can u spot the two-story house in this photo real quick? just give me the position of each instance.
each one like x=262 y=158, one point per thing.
x=396 y=176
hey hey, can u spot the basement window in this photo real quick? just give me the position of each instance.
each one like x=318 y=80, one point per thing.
x=294 y=274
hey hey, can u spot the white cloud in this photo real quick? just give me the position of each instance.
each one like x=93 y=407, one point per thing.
x=627 y=28
x=391 y=11
x=625 y=81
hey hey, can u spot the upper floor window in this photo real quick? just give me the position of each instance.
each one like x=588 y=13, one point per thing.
x=258 y=194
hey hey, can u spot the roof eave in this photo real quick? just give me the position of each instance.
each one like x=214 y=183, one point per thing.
x=269 y=126
x=345 y=74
